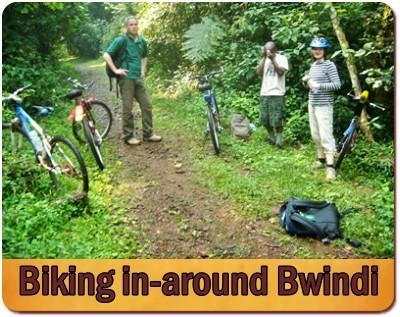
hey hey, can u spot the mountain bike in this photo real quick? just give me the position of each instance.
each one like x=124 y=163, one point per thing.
x=91 y=119
x=58 y=155
x=213 y=126
x=347 y=142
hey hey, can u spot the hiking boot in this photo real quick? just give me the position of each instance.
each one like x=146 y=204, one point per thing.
x=153 y=138
x=132 y=141
x=318 y=165
x=330 y=174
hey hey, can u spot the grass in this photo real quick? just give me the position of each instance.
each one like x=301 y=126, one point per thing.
x=254 y=175
x=259 y=177
x=39 y=223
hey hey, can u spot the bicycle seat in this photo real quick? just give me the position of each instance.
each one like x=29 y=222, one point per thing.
x=43 y=111
x=204 y=87
x=74 y=94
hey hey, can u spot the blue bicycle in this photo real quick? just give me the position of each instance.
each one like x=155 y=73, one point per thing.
x=58 y=155
x=213 y=125
x=347 y=142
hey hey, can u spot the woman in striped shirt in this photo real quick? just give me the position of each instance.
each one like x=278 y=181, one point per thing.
x=322 y=80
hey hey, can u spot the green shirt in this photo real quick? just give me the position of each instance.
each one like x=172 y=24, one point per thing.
x=135 y=51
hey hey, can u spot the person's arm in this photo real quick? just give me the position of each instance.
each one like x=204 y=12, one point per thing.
x=334 y=79
x=109 y=61
x=280 y=70
x=144 y=67
x=260 y=67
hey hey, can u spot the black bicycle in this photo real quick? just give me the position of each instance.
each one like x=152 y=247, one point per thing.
x=91 y=119
x=213 y=125
x=347 y=142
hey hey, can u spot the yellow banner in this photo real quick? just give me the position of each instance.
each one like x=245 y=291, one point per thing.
x=262 y=285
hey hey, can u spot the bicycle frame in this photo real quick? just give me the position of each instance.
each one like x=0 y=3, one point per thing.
x=85 y=104
x=27 y=123
x=82 y=110
x=353 y=126
x=209 y=97
x=42 y=144
x=347 y=142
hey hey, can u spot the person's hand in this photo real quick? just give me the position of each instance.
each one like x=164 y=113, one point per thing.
x=305 y=80
x=270 y=55
x=121 y=72
x=143 y=74
x=313 y=84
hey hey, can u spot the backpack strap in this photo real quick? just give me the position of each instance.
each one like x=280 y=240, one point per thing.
x=120 y=52
x=308 y=224
x=309 y=203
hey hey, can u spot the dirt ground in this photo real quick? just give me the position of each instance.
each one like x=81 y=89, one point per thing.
x=174 y=216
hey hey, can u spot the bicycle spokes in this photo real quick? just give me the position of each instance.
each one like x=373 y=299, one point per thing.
x=68 y=173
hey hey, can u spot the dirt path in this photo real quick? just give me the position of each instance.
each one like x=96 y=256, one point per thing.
x=176 y=217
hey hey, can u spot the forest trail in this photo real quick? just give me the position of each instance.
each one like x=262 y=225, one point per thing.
x=174 y=216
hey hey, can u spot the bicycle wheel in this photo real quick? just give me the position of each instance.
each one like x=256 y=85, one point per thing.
x=344 y=148
x=101 y=115
x=213 y=130
x=69 y=172
x=94 y=147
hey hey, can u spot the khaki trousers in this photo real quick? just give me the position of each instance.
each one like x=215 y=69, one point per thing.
x=130 y=89
x=321 y=126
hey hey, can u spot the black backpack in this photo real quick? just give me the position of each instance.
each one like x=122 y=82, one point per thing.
x=317 y=219
x=117 y=60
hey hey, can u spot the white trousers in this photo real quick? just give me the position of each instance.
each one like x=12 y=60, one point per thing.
x=321 y=126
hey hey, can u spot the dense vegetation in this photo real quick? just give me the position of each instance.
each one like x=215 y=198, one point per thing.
x=178 y=49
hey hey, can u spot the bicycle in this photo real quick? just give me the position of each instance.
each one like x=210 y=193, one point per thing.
x=211 y=111
x=347 y=142
x=58 y=155
x=91 y=119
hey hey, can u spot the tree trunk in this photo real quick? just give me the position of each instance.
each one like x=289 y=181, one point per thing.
x=351 y=66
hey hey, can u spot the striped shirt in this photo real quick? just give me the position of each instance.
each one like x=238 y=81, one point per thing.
x=326 y=75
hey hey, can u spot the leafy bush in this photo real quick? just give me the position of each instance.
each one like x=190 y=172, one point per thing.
x=87 y=41
x=202 y=39
x=373 y=159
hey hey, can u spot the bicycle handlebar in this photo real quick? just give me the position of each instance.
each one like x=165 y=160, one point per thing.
x=14 y=96
x=209 y=75
x=369 y=104
x=79 y=85
x=373 y=105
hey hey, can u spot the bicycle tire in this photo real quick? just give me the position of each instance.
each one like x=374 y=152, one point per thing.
x=92 y=144
x=103 y=122
x=59 y=145
x=213 y=131
x=346 y=144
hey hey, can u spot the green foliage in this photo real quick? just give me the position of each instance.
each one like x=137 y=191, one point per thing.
x=202 y=39
x=253 y=174
x=243 y=103
x=38 y=222
x=31 y=52
x=259 y=177
x=47 y=79
x=87 y=41
x=291 y=26
x=371 y=159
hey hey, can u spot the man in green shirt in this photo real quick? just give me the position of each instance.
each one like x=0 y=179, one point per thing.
x=131 y=80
